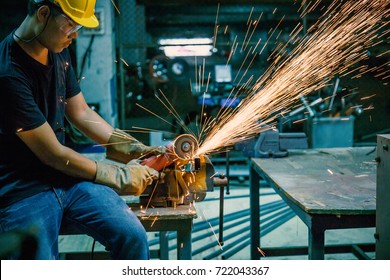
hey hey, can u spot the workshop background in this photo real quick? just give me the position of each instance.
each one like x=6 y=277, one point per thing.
x=144 y=50
x=129 y=60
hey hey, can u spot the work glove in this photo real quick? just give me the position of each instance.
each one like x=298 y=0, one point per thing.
x=123 y=147
x=130 y=179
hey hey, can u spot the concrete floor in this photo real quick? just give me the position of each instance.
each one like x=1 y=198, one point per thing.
x=288 y=229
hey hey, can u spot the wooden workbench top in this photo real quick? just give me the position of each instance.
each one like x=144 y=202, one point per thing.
x=164 y=213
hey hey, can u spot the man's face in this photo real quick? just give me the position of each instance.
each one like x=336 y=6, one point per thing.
x=66 y=25
x=59 y=32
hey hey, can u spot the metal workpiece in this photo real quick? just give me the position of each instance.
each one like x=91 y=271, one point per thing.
x=382 y=235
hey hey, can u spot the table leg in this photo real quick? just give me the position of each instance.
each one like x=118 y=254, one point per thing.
x=254 y=194
x=184 y=241
x=164 y=245
x=316 y=241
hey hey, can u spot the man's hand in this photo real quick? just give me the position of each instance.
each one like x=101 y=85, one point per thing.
x=123 y=147
x=129 y=179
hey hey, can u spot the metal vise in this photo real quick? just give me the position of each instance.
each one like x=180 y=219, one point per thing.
x=271 y=143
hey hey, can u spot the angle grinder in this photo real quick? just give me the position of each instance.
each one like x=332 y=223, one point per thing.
x=182 y=149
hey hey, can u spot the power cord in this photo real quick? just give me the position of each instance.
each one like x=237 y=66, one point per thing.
x=93 y=248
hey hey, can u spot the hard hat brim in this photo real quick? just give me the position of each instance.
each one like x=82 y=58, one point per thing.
x=90 y=22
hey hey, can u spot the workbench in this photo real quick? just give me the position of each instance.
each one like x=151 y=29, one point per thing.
x=332 y=188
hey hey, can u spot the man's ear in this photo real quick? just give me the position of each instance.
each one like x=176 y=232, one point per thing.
x=43 y=13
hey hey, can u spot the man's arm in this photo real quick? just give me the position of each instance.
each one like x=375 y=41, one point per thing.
x=86 y=120
x=44 y=144
x=130 y=179
x=121 y=147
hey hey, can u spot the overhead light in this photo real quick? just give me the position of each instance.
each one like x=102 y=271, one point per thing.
x=186 y=47
x=185 y=41
x=189 y=50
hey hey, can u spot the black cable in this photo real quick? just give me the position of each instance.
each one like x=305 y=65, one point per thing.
x=93 y=248
x=36 y=36
x=88 y=50
x=370 y=152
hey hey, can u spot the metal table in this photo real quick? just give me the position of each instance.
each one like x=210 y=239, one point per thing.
x=333 y=188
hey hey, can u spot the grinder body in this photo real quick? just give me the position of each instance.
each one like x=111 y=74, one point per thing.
x=186 y=178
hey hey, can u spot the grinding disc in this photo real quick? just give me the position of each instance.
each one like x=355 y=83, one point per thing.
x=185 y=146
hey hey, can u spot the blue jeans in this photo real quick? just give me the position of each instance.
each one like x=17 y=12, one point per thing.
x=93 y=209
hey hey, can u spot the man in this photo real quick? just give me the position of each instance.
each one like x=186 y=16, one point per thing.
x=43 y=183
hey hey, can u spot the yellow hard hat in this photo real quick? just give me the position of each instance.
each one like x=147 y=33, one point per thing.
x=80 y=11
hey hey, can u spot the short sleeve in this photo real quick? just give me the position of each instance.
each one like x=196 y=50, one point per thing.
x=19 y=110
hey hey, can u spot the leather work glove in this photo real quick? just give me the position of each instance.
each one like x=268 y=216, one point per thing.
x=130 y=179
x=123 y=147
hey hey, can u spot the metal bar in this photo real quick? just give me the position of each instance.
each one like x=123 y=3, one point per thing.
x=303 y=250
x=230 y=197
x=221 y=210
x=164 y=245
x=229 y=226
x=359 y=253
x=199 y=226
x=227 y=247
x=254 y=182
x=334 y=93
x=269 y=206
x=227 y=171
x=208 y=234
x=184 y=245
x=316 y=241
x=271 y=226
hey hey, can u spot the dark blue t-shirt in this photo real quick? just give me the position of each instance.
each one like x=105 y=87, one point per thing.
x=30 y=94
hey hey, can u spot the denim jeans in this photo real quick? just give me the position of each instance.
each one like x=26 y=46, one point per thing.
x=93 y=209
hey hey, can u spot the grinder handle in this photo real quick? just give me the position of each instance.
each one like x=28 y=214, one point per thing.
x=160 y=162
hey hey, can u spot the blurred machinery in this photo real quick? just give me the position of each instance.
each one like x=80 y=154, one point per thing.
x=326 y=116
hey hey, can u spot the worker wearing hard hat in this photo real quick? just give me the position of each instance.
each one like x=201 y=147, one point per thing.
x=43 y=183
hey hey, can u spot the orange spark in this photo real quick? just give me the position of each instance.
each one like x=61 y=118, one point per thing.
x=261 y=251
x=154 y=220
